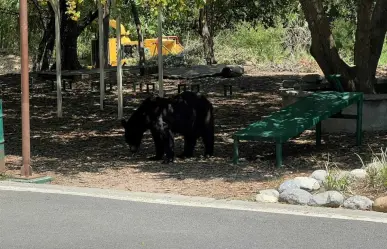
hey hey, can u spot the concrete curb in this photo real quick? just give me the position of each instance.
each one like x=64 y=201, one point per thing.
x=171 y=199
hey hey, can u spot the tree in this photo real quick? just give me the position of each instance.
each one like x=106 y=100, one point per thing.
x=178 y=8
x=75 y=17
x=137 y=22
x=369 y=38
x=206 y=31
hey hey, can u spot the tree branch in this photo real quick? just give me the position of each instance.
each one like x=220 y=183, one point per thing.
x=36 y=4
x=86 y=21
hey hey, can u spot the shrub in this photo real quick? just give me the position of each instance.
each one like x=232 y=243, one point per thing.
x=377 y=170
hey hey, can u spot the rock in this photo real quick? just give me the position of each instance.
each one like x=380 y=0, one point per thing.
x=358 y=174
x=307 y=183
x=288 y=184
x=267 y=195
x=266 y=198
x=231 y=71
x=271 y=192
x=358 y=202
x=320 y=175
x=312 y=78
x=380 y=204
x=295 y=196
x=327 y=199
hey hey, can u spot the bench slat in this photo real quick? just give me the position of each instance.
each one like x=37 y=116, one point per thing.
x=299 y=116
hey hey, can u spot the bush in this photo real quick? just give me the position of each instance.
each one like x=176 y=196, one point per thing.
x=344 y=34
x=249 y=43
x=279 y=48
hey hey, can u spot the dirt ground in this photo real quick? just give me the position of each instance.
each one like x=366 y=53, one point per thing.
x=86 y=147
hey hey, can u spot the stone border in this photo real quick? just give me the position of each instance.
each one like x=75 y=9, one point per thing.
x=311 y=191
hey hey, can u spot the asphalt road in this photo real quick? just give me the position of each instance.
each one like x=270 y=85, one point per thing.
x=39 y=220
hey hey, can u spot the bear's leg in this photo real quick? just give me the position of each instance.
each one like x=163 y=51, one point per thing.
x=208 y=141
x=189 y=146
x=169 y=146
x=159 y=146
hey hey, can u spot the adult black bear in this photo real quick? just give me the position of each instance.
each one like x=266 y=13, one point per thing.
x=188 y=114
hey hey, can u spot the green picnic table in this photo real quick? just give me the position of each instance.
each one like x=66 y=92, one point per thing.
x=293 y=119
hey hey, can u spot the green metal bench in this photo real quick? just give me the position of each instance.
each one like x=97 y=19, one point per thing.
x=292 y=120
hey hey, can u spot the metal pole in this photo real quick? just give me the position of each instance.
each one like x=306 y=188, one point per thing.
x=160 y=50
x=119 y=67
x=58 y=60
x=101 y=55
x=26 y=168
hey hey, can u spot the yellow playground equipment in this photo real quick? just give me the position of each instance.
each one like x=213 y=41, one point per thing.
x=171 y=45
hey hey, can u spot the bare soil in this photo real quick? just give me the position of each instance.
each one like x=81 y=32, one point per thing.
x=86 y=146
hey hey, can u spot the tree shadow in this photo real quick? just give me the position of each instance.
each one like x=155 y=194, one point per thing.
x=89 y=140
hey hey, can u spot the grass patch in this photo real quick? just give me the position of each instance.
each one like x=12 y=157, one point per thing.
x=377 y=170
x=336 y=179
x=3 y=177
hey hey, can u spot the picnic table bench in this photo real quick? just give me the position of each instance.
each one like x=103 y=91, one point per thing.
x=293 y=119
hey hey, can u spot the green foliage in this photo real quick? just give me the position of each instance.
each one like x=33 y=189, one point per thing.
x=249 y=43
x=336 y=182
x=336 y=179
x=262 y=32
x=344 y=35
x=383 y=57
x=3 y=177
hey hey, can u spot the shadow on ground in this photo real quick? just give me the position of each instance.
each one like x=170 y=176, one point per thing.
x=87 y=139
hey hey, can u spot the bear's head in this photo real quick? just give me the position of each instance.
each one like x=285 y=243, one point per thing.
x=136 y=125
x=133 y=134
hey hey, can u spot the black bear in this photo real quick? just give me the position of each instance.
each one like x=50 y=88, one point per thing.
x=188 y=114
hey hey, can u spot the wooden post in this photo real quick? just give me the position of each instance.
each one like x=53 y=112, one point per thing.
x=119 y=67
x=101 y=54
x=160 y=50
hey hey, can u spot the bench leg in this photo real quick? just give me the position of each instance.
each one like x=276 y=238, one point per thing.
x=235 y=158
x=359 y=121
x=318 y=133
x=278 y=154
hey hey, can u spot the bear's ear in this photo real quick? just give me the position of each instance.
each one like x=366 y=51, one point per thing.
x=123 y=122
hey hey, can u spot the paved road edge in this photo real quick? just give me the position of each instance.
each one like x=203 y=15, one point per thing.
x=172 y=199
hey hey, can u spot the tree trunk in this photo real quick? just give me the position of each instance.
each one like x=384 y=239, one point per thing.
x=70 y=31
x=370 y=35
x=323 y=47
x=46 y=45
x=106 y=18
x=69 y=40
x=140 y=37
x=207 y=36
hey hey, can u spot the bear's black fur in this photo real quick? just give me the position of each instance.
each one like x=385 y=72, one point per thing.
x=188 y=114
